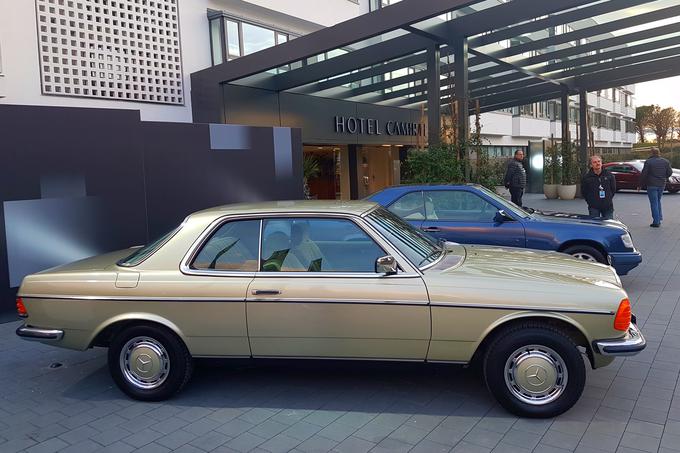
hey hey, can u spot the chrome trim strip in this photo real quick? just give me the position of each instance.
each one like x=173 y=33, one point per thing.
x=340 y=301
x=630 y=344
x=36 y=334
x=136 y=299
x=523 y=308
x=451 y=362
x=366 y=359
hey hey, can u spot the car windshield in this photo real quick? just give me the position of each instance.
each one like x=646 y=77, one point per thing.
x=146 y=251
x=638 y=165
x=508 y=205
x=418 y=247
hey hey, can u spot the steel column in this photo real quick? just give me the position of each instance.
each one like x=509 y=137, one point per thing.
x=460 y=65
x=583 y=128
x=433 y=100
x=565 y=118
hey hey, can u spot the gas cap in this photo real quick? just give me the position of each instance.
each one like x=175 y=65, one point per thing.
x=127 y=279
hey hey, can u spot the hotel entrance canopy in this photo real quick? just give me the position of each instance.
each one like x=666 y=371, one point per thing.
x=463 y=53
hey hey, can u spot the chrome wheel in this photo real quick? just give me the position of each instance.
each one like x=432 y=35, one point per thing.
x=144 y=362
x=536 y=374
x=584 y=256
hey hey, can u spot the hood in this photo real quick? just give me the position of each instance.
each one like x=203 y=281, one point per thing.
x=570 y=218
x=527 y=267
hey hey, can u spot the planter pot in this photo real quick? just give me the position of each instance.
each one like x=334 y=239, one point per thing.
x=566 y=192
x=550 y=191
x=502 y=191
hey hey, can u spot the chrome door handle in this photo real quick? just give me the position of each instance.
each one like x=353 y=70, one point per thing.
x=431 y=229
x=270 y=292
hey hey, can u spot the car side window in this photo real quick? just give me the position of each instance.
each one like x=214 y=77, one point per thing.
x=409 y=207
x=458 y=206
x=317 y=245
x=233 y=247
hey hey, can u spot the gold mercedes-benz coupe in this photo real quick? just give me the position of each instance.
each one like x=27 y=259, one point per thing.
x=332 y=280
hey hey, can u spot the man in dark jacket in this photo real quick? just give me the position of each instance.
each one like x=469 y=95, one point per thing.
x=598 y=187
x=516 y=178
x=655 y=173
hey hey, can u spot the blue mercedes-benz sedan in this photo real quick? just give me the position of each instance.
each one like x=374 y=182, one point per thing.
x=472 y=214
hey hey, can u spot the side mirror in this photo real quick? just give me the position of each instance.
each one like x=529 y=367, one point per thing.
x=386 y=265
x=502 y=216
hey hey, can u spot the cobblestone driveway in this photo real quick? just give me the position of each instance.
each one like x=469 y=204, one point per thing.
x=347 y=407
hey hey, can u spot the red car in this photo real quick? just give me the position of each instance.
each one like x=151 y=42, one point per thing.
x=628 y=175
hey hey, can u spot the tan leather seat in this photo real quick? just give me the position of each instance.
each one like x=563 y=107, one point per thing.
x=305 y=250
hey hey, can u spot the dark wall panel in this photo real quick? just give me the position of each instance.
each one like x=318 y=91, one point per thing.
x=250 y=106
x=71 y=185
x=78 y=182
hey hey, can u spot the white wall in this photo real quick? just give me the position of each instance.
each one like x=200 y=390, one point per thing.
x=20 y=61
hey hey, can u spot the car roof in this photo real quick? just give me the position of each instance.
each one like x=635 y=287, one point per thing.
x=351 y=207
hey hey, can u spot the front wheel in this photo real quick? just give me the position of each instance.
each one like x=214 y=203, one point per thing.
x=534 y=371
x=149 y=363
x=674 y=191
x=586 y=253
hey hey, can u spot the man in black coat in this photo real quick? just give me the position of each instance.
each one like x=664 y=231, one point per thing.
x=516 y=177
x=598 y=187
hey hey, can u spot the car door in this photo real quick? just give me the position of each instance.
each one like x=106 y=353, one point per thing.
x=214 y=280
x=467 y=217
x=317 y=294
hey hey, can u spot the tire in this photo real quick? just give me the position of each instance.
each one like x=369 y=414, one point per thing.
x=586 y=252
x=674 y=191
x=169 y=362
x=532 y=347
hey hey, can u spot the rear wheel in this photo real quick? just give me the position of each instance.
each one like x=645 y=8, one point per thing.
x=534 y=370
x=586 y=252
x=674 y=191
x=149 y=363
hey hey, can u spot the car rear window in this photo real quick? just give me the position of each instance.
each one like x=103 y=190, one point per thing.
x=146 y=251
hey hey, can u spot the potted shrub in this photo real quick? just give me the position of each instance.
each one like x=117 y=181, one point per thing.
x=567 y=189
x=552 y=171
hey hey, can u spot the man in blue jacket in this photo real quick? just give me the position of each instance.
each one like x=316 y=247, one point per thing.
x=516 y=177
x=655 y=173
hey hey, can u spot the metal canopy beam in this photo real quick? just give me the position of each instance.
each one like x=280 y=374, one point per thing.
x=512 y=67
x=553 y=20
x=413 y=60
x=343 y=34
x=505 y=14
x=593 y=46
x=433 y=88
x=588 y=32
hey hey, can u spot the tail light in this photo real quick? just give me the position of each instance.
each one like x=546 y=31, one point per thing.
x=21 y=308
x=623 y=316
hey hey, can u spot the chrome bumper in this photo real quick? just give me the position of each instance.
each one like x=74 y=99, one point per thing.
x=33 y=333
x=631 y=344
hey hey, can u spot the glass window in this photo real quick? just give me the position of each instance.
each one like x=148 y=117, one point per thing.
x=233 y=41
x=256 y=38
x=233 y=247
x=143 y=253
x=317 y=245
x=216 y=40
x=458 y=205
x=419 y=248
x=409 y=207
x=281 y=38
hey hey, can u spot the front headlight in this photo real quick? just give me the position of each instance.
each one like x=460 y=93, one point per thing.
x=627 y=241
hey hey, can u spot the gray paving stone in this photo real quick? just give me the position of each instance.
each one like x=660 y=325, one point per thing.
x=640 y=442
x=483 y=437
x=245 y=442
x=280 y=444
x=465 y=447
x=522 y=439
x=235 y=427
x=559 y=439
x=48 y=446
x=337 y=431
x=317 y=444
x=408 y=434
x=391 y=446
x=302 y=430
x=86 y=446
x=268 y=429
x=143 y=437
x=175 y=439
x=373 y=432
x=210 y=441
x=428 y=446
x=353 y=445
x=111 y=436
